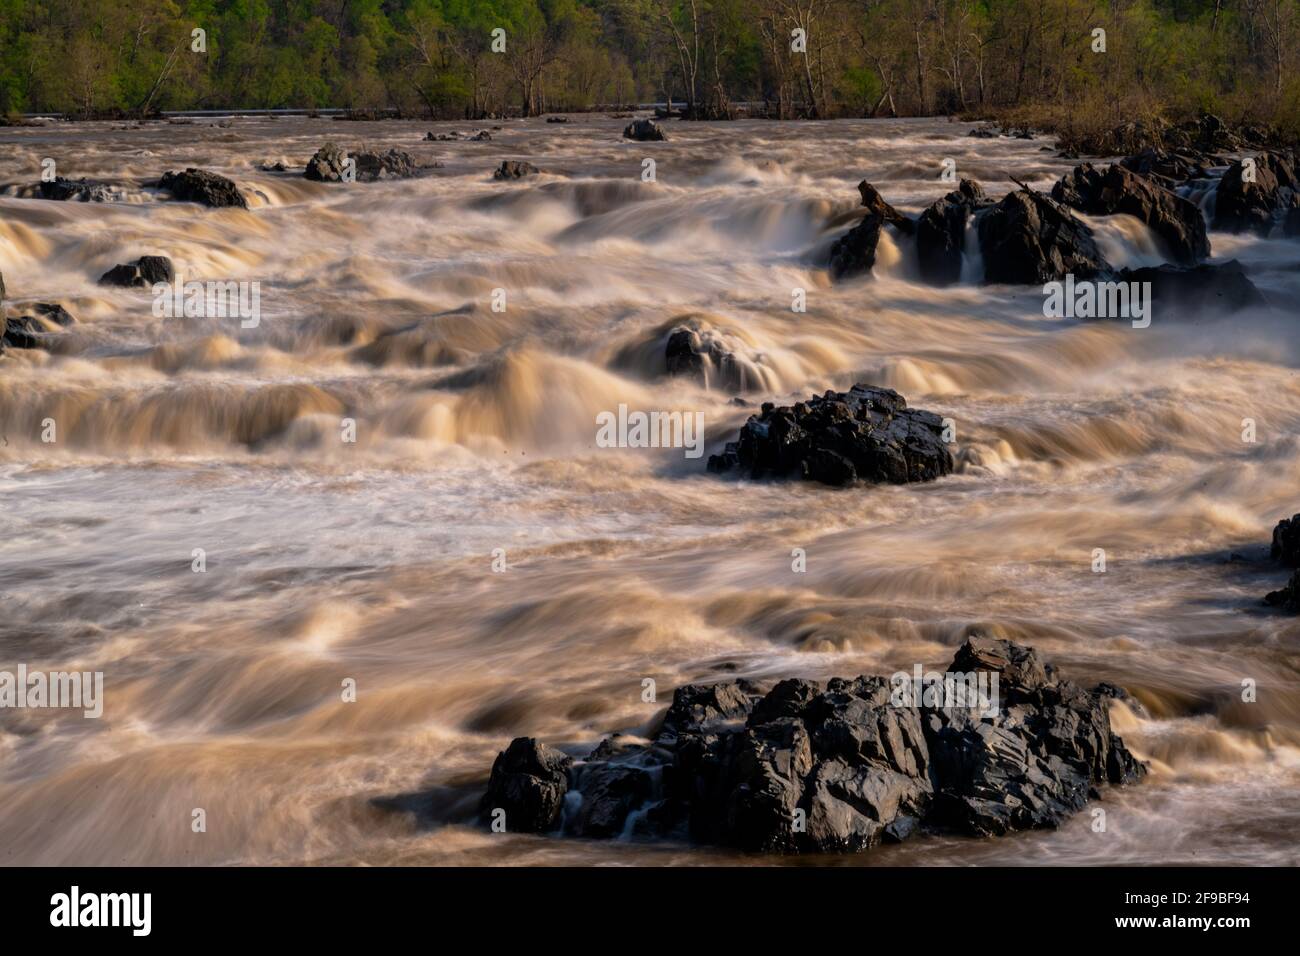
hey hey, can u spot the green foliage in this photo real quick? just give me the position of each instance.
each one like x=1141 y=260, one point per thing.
x=979 y=57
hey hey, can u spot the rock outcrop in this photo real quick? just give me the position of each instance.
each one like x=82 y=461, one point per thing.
x=841 y=767
x=644 y=131
x=1177 y=221
x=840 y=438
x=330 y=164
x=201 y=186
x=1286 y=542
x=77 y=190
x=941 y=232
x=515 y=169
x=1029 y=239
x=1243 y=205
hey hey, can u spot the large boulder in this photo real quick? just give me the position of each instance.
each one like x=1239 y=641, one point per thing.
x=1286 y=542
x=865 y=434
x=1029 y=239
x=876 y=206
x=1208 y=287
x=844 y=766
x=1168 y=167
x=529 y=781
x=329 y=165
x=1242 y=205
x=854 y=253
x=1177 y=221
x=141 y=274
x=644 y=131
x=203 y=187
x=941 y=232
x=515 y=169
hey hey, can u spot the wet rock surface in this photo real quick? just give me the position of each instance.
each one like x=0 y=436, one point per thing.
x=1286 y=542
x=941 y=232
x=78 y=190
x=840 y=438
x=1246 y=205
x=330 y=165
x=840 y=767
x=203 y=187
x=1029 y=239
x=1116 y=189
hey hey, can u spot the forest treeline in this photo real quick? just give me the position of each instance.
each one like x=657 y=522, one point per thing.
x=783 y=58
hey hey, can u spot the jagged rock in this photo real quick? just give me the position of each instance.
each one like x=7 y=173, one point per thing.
x=1288 y=598
x=941 y=232
x=1177 y=221
x=865 y=434
x=77 y=190
x=1169 y=168
x=515 y=169
x=201 y=186
x=1286 y=542
x=142 y=273
x=1242 y=206
x=876 y=205
x=1221 y=287
x=644 y=130
x=844 y=766
x=457 y=136
x=1029 y=239
x=529 y=781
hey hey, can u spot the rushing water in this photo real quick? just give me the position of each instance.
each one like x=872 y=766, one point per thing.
x=475 y=431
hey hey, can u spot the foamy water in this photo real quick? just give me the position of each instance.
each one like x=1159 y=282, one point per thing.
x=373 y=560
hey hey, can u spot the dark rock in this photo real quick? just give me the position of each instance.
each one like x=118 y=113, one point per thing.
x=1222 y=287
x=1169 y=168
x=201 y=186
x=1242 y=206
x=515 y=169
x=457 y=136
x=854 y=253
x=1286 y=542
x=329 y=164
x=644 y=130
x=866 y=434
x=1288 y=598
x=839 y=768
x=876 y=206
x=557 y=119
x=21 y=333
x=77 y=190
x=941 y=232
x=1029 y=239
x=1177 y=221
x=529 y=781
x=702 y=354
x=142 y=273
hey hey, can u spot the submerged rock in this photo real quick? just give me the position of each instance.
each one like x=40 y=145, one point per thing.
x=142 y=273
x=644 y=131
x=1288 y=598
x=1208 y=287
x=515 y=169
x=201 y=186
x=454 y=136
x=77 y=190
x=1029 y=239
x=1177 y=221
x=840 y=767
x=865 y=434
x=941 y=232
x=1286 y=542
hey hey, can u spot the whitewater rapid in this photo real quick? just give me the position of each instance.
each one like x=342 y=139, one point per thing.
x=372 y=560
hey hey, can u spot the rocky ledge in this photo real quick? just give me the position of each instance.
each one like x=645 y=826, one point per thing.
x=806 y=767
x=840 y=438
